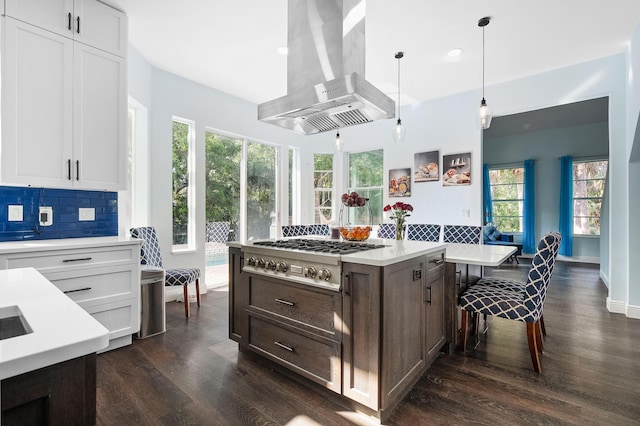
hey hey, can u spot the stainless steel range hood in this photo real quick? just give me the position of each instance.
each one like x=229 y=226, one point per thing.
x=326 y=89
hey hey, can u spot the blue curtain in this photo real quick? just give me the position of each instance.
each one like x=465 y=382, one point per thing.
x=487 y=203
x=529 y=214
x=566 y=205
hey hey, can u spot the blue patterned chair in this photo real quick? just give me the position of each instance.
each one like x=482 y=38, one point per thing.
x=512 y=285
x=150 y=255
x=318 y=229
x=217 y=232
x=422 y=232
x=463 y=234
x=294 y=230
x=523 y=305
x=387 y=231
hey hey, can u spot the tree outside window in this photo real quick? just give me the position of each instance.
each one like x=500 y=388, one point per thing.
x=507 y=195
x=589 y=180
x=366 y=178
x=181 y=151
x=323 y=187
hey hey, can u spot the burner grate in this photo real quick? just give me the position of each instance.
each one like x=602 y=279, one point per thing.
x=319 y=246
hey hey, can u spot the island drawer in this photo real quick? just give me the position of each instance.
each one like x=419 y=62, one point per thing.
x=316 y=358
x=310 y=306
x=55 y=260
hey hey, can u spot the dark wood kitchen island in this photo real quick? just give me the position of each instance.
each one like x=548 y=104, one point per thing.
x=370 y=339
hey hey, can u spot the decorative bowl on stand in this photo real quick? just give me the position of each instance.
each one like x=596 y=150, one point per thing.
x=355 y=217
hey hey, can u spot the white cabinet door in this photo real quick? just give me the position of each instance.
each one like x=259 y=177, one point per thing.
x=52 y=15
x=37 y=106
x=100 y=99
x=101 y=26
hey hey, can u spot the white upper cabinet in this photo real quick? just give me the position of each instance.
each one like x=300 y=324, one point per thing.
x=64 y=104
x=88 y=21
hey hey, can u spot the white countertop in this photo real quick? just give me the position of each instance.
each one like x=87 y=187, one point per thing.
x=478 y=254
x=64 y=243
x=62 y=330
x=393 y=252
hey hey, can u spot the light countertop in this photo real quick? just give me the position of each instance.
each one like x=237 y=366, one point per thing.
x=61 y=330
x=64 y=243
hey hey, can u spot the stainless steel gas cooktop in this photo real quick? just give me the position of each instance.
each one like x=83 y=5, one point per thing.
x=319 y=246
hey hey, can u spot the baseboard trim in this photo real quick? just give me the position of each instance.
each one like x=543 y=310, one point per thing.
x=604 y=277
x=633 y=311
x=616 y=307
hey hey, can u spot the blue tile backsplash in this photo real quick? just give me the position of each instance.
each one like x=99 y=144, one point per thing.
x=65 y=204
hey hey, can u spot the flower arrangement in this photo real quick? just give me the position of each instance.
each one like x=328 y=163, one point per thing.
x=399 y=213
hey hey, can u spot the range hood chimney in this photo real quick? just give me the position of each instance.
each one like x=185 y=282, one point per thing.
x=326 y=89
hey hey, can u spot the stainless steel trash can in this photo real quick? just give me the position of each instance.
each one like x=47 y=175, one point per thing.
x=152 y=315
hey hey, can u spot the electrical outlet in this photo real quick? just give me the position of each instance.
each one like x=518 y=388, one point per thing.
x=86 y=214
x=46 y=216
x=15 y=214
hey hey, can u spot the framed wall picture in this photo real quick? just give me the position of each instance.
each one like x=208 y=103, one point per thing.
x=400 y=182
x=456 y=169
x=426 y=166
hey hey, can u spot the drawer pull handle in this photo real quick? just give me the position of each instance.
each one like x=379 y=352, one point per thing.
x=283 y=346
x=439 y=261
x=285 y=302
x=79 y=289
x=76 y=260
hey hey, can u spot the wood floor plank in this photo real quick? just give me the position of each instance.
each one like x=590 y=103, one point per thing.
x=194 y=375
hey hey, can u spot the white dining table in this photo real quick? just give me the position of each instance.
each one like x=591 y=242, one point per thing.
x=478 y=254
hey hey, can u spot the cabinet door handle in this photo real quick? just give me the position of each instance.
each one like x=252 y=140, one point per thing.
x=78 y=289
x=241 y=262
x=346 y=286
x=283 y=346
x=75 y=260
x=69 y=169
x=77 y=169
x=429 y=299
x=439 y=261
x=285 y=302
x=78 y=24
x=69 y=21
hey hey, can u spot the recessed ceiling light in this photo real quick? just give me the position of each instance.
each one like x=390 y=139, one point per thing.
x=283 y=50
x=454 y=52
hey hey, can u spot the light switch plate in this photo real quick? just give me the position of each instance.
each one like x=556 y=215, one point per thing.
x=86 y=214
x=15 y=213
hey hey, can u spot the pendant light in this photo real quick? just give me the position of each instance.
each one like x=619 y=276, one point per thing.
x=338 y=142
x=399 y=130
x=485 y=114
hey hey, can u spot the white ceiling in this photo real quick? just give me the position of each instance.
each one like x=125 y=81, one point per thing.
x=231 y=45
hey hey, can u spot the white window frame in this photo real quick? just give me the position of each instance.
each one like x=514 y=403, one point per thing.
x=520 y=201
x=573 y=198
x=332 y=191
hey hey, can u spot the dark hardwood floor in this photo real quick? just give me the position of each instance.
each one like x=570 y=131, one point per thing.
x=194 y=375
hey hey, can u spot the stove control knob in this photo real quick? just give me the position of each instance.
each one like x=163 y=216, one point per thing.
x=325 y=274
x=251 y=261
x=282 y=267
x=271 y=265
x=261 y=263
x=310 y=272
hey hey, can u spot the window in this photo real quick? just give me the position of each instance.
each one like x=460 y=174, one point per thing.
x=261 y=190
x=182 y=176
x=507 y=195
x=589 y=179
x=223 y=157
x=323 y=187
x=366 y=178
x=294 y=191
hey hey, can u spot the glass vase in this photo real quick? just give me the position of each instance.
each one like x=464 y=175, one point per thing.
x=400 y=231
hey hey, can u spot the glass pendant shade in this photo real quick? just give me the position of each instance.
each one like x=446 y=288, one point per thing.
x=399 y=131
x=484 y=115
x=338 y=142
